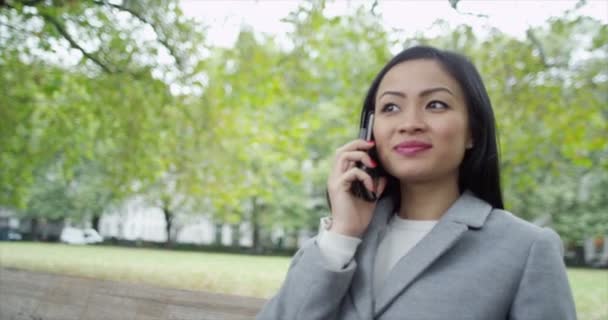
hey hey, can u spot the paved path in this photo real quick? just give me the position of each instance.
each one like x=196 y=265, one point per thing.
x=28 y=295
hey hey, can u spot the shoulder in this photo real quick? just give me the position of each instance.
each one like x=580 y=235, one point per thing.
x=502 y=223
x=535 y=258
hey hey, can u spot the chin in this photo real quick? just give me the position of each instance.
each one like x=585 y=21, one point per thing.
x=424 y=174
x=413 y=175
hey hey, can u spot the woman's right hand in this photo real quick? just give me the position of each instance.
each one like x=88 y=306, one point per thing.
x=351 y=215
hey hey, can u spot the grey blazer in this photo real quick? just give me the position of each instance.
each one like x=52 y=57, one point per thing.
x=476 y=263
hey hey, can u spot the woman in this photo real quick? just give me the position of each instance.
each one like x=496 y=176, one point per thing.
x=437 y=244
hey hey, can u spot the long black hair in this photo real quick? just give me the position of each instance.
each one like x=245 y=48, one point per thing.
x=479 y=171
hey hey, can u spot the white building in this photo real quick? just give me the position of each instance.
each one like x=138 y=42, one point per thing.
x=137 y=220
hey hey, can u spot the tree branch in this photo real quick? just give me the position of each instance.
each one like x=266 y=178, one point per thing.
x=17 y=28
x=454 y=5
x=374 y=7
x=30 y=3
x=539 y=46
x=143 y=19
x=73 y=43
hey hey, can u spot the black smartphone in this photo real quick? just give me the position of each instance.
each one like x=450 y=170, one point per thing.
x=357 y=188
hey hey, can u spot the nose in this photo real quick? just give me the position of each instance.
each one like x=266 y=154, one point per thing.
x=412 y=121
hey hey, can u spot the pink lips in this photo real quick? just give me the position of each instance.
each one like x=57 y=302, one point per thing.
x=410 y=148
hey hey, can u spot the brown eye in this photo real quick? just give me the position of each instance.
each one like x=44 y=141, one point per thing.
x=436 y=105
x=390 y=107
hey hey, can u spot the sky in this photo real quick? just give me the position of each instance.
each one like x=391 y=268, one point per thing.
x=225 y=17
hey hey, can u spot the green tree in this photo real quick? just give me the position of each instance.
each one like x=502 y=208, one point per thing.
x=275 y=108
x=109 y=107
x=247 y=133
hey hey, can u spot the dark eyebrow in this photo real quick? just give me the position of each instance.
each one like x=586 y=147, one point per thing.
x=394 y=93
x=422 y=94
x=433 y=90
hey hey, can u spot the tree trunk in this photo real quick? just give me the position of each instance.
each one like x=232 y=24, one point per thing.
x=236 y=235
x=43 y=228
x=218 y=234
x=257 y=248
x=95 y=222
x=35 y=229
x=168 y=224
x=294 y=239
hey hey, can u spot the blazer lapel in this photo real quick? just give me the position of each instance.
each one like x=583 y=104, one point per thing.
x=467 y=211
x=361 y=285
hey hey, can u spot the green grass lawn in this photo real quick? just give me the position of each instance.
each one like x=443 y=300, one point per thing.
x=590 y=289
x=216 y=272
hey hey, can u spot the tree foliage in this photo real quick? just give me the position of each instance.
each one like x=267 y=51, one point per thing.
x=102 y=100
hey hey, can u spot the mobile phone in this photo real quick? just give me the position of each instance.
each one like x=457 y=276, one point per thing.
x=357 y=188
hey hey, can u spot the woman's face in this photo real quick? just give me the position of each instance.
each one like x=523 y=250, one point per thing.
x=421 y=122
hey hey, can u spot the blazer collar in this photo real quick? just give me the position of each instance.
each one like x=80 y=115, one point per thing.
x=468 y=209
x=467 y=212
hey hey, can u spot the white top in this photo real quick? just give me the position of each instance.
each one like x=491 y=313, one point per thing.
x=401 y=236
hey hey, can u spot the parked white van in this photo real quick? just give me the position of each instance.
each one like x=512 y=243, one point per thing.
x=71 y=235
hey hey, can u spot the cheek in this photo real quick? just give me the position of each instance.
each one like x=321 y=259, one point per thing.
x=453 y=134
x=380 y=134
x=381 y=137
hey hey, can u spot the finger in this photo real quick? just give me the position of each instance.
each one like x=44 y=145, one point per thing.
x=347 y=165
x=358 y=144
x=356 y=174
x=346 y=158
x=351 y=164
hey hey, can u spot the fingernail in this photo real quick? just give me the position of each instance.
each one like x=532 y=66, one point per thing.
x=374 y=164
x=371 y=142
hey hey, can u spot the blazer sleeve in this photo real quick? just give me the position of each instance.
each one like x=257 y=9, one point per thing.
x=311 y=290
x=544 y=291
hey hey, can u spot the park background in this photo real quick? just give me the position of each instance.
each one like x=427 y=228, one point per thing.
x=227 y=114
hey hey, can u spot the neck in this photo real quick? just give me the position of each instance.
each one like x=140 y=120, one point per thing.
x=427 y=201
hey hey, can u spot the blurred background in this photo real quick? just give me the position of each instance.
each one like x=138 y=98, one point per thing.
x=208 y=126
